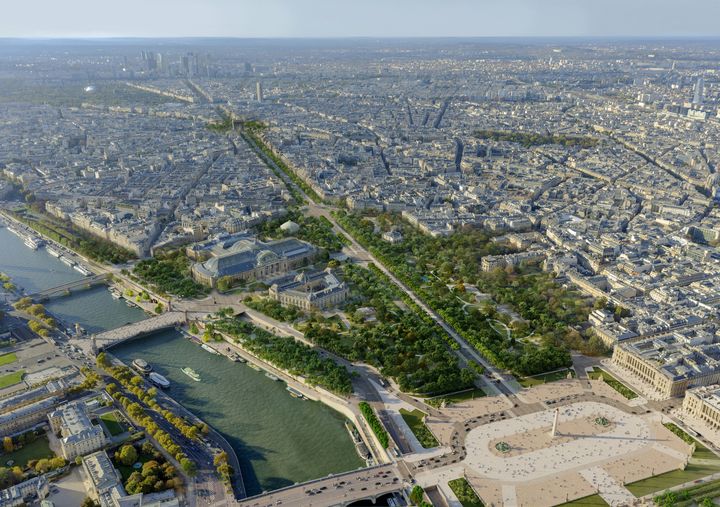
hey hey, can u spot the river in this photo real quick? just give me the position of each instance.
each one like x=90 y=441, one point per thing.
x=279 y=440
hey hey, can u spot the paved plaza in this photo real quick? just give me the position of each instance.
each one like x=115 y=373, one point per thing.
x=597 y=448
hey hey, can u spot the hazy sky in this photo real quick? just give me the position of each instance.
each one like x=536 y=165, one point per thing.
x=372 y=18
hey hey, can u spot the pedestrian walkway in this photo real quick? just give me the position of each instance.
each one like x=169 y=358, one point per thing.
x=509 y=495
x=609 y=489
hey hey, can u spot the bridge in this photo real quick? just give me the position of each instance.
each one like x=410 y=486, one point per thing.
x=365 y=485
x=66 y=288
x=105 y=340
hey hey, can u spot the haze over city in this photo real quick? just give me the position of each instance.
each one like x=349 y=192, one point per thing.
x=369 y=18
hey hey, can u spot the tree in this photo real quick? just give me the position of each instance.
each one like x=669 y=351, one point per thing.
x=127 y=455
x=8 y=444
x=224 y=283
x=102 y=360
x=417 y=494
x=188 y=466
x=89 y=502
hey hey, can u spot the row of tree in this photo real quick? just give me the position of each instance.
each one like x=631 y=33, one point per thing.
x=390 y=333
x=288 y=354
x=374 y=423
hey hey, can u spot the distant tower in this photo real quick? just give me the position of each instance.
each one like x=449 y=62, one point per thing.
x=555 y=423
x=699 y=92
x=258 y=92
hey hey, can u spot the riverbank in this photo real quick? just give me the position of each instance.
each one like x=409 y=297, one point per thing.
x=299 y=384
x=280 y=440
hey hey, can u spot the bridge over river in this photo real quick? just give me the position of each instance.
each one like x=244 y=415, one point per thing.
x=107 y=339
x=66 y=288
x=365 y=485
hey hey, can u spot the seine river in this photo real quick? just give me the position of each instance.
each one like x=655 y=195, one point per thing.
x=279 y=440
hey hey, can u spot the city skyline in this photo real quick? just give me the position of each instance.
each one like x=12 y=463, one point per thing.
x=325 y=19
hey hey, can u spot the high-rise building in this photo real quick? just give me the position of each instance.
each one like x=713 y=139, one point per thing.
x=699 y=95
x=258 y=92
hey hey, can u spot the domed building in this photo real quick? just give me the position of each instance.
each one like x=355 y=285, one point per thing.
x=252 y=259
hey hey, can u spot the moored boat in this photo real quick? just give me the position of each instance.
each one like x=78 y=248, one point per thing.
x=208 y=348
x=141 y=365
x=271 y=376
x=159 y=380
x=295 y=393
x=82 y=269
x=52 y=251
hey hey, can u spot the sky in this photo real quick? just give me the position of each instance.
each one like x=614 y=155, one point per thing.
x=358 y=18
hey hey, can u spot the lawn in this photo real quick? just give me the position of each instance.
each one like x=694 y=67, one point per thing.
x=544 y=378
x=111 y=420
x=11 y=379
x=464 y=492
x=692 y=472
x=692 y=495
x=592 y=500
x=614 y=383
x=414 y=419
x=34 y=450
x=449 y=399
x=8 y=358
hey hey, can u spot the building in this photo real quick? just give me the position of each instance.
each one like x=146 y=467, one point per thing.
x=492 y=262
x=702 y=404
x=670 y=364
x=25 y=492
x=393 y=237
x=26 y=417
x=318 y=290
x=699 y=92
x=104 y=484
x=258 y=92
x=52 y=388
x=251 y=259
x=78 y=436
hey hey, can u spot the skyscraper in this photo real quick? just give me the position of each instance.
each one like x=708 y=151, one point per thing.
x=258 y=92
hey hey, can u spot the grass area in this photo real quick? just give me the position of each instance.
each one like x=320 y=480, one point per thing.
x=544 y=378
x=8 y=358
x=449 y=399
x=465 y=493
x=588 y=500
x=692 y=472
x=414 y=419
x=11 y=379
x=693 y=495
x=38 y=449
x=674 y=478
x=614 y=383
x=111 y=420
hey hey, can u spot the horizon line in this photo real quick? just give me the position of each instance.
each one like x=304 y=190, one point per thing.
x=350 y=37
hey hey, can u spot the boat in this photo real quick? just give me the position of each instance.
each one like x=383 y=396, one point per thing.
x=295 y=393
x=115 y=293
x=15 y=231
x=67 y=261
x=159 y=380
x=82 y=269
x=141 y=365
x=52 y=251
x=191 y=373
x=236 y=358
x=208 y=348
x=32 y=243
x=271 y=376
x=254 y=366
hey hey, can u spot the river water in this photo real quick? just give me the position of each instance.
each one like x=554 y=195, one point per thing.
x=279 y=440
